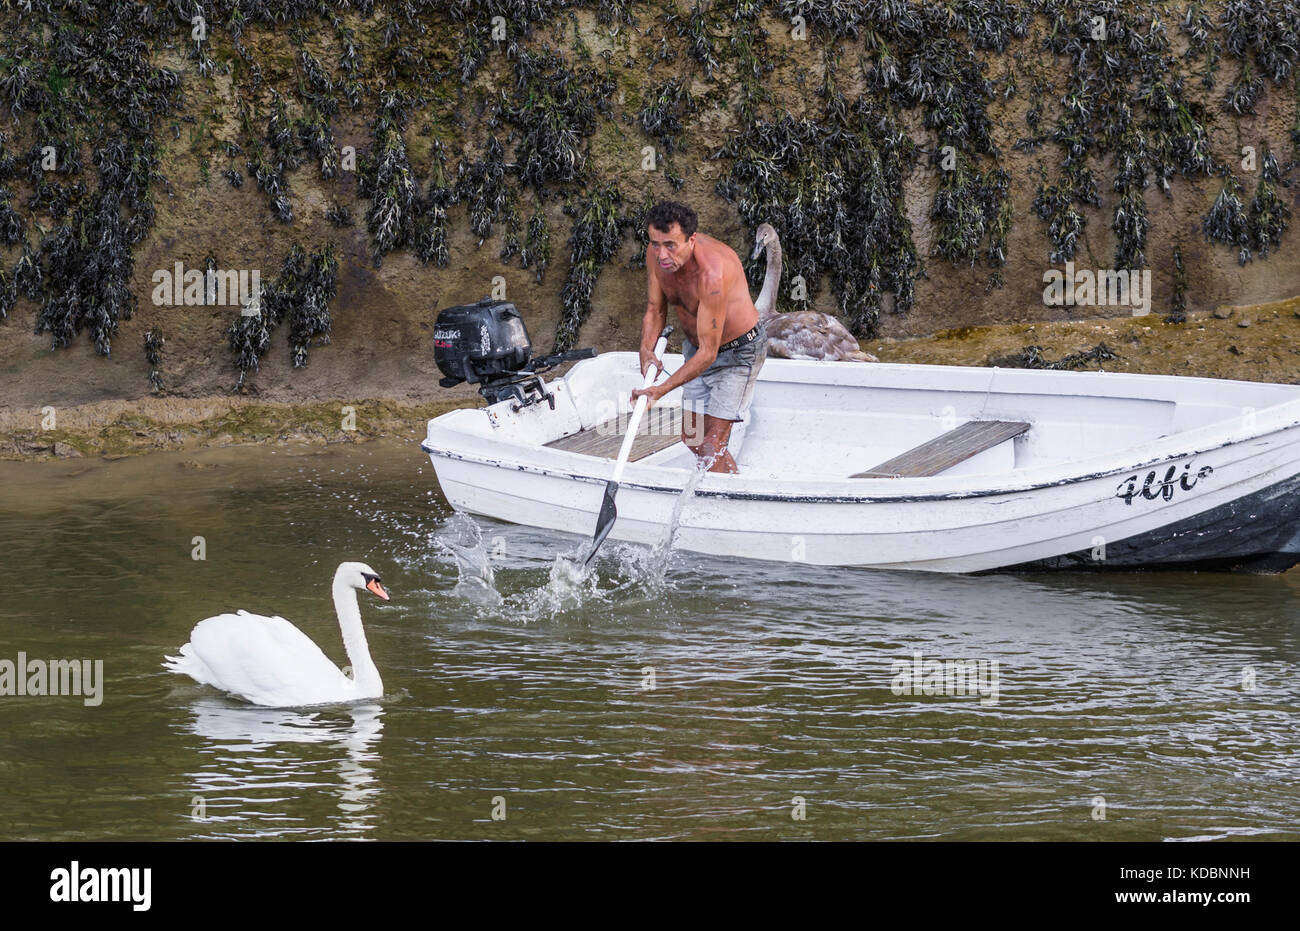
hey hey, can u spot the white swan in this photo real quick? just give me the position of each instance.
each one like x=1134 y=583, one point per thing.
x=799 y=334
x=268 y=661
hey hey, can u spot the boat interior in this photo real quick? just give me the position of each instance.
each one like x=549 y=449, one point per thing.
x=843 y=420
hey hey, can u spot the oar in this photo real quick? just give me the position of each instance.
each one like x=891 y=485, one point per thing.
x=608 y=513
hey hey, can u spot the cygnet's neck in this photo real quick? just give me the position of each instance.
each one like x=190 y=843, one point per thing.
x=766 y=302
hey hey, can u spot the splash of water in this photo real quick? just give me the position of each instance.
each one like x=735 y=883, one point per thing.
x=569 y=586
x=571 y=583
x=648 y=568
x=462 y=539
x=571 y=571
x=665 y=544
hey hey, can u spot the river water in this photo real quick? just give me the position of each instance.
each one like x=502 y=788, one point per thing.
x=668 y=696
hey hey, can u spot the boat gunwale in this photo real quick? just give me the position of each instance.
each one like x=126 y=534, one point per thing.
x=818 y=498
x=908 y=370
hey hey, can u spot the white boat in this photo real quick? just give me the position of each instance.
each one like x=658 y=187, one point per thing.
x=939 y=468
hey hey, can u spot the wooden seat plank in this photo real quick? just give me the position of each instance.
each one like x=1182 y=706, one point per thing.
x=945 y=451
x=659 y=429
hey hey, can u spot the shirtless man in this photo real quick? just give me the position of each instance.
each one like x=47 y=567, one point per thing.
x=725 y=344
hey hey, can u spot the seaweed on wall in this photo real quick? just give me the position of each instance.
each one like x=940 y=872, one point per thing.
x=555 y=109
x=833 y=189
x=1269 y=214
x=84 y=73
x=387 y=179
x=481 y=186
x=1226 y=221
x=277 y=152
x=1178 y=295
x=309 y=306
x=536 y=252
x=1121 y=118
x=431 y=223
x=8 y=294
x=153 y=343
x=90 y=257
x=595 y=240
x=300 y=294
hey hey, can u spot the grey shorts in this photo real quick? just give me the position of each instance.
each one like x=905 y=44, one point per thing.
x=726 y=387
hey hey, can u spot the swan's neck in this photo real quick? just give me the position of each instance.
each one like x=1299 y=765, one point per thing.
x=364 y=672
x=766 y=303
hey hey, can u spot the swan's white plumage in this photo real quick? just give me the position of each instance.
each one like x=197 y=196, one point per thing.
x=268 y=661
x=265 y=660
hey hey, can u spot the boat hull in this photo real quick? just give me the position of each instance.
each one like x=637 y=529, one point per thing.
x=1258 y=532
x=1250 y=523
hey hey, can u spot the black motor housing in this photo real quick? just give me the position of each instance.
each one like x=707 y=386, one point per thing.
x=480 y=342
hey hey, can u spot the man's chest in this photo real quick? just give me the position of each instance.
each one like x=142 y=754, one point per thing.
x=683 y=293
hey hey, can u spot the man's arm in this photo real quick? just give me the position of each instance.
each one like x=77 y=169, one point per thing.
x=656 y=318
x=708 y=327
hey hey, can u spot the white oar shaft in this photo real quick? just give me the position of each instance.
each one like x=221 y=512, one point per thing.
x=637 y=411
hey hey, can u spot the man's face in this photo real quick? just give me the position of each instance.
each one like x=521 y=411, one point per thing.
x=670 y=248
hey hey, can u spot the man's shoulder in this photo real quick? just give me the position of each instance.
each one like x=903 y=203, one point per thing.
x=719 y=257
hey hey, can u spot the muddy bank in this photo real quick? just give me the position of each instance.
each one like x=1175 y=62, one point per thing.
x=1255 y=342
x=115 y=428
x=1250 y=342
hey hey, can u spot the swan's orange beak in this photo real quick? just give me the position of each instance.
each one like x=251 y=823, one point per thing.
x=375 y=588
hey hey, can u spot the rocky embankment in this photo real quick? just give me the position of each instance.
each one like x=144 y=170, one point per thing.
x=1259 y=342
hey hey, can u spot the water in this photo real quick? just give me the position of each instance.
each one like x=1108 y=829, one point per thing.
x=664 y=695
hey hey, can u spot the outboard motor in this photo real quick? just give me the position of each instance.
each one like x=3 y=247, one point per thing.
x=486 y=344
x=480 y=342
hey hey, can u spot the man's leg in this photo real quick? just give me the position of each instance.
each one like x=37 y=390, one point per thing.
x=706 y=436
x=730 y=400
x=714 y=448
x=725 y=388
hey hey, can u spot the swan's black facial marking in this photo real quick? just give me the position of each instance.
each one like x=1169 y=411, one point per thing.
x=374 y=586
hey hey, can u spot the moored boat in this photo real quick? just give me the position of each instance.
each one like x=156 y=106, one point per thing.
x=940 y=468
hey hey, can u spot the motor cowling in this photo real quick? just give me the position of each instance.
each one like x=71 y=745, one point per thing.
x=480 y=342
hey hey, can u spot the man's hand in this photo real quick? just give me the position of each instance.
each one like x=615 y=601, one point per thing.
x=653 y=394
x=648 y=358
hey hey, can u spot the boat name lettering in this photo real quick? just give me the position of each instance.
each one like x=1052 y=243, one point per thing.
x=1153 y=488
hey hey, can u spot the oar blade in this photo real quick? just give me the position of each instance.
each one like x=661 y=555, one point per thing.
x=604 y=521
